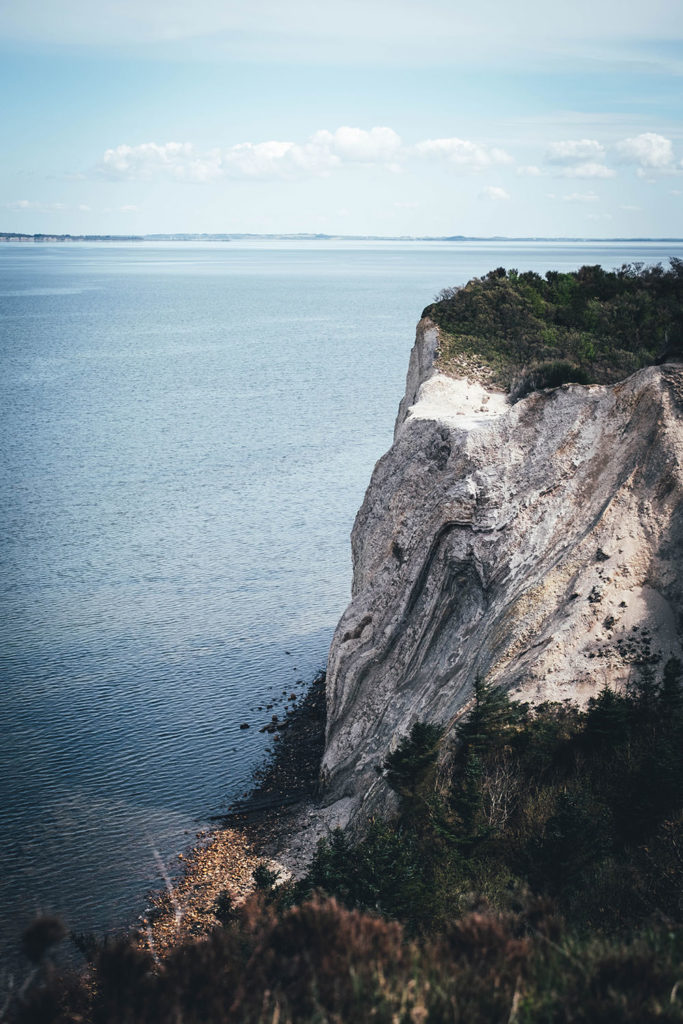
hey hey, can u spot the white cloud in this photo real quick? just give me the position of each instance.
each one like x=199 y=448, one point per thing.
x=321 y=154
x=379 y=145
x=530 y=170
x=581 y=197
x=129 y=208
x=647 y=151
x=578 y=158
x=494 y=192
x=462 y=153
x=324 y=151
x=83 y=207
x=271 y=160
x=148 y=160
x=588 y=170
x=575 y=151
x=33 y=204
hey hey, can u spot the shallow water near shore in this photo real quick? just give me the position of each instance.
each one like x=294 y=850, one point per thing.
x=188 y=432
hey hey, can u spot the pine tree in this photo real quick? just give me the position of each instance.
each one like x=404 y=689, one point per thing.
x=490 y=726
x=407 y=768
x=607 y=720
x=671 y=691
x=492 y=720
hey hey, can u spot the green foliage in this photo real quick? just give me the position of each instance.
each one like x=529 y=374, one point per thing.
x=535 y=877
x=551 y=374
x=608 y=722
x=385 y=872
x=265 y=879
x=579 y=806
x=671 y=692
x=407 y=768
x=224 y=908
x=588 y=325
x=491 y=723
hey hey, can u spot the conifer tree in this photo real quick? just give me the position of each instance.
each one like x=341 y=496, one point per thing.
x=407 y=767
x=671 y=692
x=489 y=726
x=607 y=720
x=491 y=721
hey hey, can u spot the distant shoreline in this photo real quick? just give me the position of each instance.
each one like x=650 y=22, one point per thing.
x=22 y=238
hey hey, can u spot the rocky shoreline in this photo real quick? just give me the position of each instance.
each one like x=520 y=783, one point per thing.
x=218 y=870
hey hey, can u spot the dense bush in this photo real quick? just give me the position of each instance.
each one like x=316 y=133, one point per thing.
x=533 y=874
x=548 y=375
x=604 y=324
x=582 y=807
x=320 y=962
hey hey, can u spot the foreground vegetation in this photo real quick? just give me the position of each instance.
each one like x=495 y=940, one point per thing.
x=534 y=872
x=523 y=331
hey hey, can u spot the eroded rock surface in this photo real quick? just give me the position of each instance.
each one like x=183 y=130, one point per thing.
x=539 y=545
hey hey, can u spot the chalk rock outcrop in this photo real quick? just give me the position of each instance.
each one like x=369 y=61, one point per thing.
x=539 y=545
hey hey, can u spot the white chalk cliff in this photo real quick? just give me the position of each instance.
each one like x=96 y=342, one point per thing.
x=539 y=545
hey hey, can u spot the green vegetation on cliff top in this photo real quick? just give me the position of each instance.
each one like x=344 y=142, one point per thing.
x=594 y=325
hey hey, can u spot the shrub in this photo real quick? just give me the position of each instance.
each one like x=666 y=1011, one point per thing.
x=547 y=375
x=545 y=885
x=607 y=323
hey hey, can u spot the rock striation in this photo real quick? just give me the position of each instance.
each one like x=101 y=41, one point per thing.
x=539 y=545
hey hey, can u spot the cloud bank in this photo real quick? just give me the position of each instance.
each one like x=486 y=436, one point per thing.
x=575 y=151
x=321 y=154
x=462 y=153
x=325 y=152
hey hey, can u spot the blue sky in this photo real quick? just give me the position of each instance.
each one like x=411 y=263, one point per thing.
x=439 y=117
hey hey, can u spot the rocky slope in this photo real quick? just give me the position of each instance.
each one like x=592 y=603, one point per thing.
x=539 y=545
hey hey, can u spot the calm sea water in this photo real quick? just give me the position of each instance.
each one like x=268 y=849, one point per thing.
x=188 y=431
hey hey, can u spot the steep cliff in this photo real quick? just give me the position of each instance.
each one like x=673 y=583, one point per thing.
x=539 y=545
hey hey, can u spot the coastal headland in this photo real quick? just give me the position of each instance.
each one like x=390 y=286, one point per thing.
x=477 y=814
x=532 y=541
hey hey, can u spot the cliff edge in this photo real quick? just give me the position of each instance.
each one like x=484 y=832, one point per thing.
x=539 y=545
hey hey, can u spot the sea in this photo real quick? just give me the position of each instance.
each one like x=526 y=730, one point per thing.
x=188 y=430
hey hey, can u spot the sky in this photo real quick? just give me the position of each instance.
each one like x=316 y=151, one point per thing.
x=383 y=117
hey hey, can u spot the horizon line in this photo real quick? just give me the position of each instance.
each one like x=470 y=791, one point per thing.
x=189 y=236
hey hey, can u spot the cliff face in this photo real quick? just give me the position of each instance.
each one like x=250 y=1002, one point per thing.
x=538 y=545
